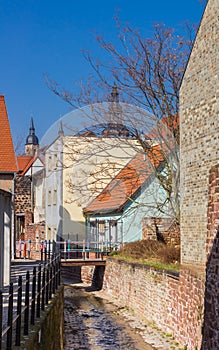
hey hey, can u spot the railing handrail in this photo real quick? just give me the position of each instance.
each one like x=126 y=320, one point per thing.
x=70 y=248
x=29 y=305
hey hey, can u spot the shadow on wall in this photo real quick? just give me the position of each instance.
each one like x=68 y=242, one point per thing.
x=98 y=276
x=210 y=329
x=71 y=274
x=68 y=228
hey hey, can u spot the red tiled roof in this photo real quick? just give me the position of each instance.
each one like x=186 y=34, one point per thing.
x=164 y=128
x=126 y=183
x=24 y=163
x=7 y=156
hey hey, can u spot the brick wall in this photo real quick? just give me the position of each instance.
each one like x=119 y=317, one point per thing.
x=163 y=228
x=35 y=232
x=199 y=121
x=211 y=319
x=23 y=194
x=174 y=304
x=186 y=307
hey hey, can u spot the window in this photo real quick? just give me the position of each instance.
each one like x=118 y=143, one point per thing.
x=49 y=163
x=20 y=226
x=55 y=161
x=101 y=227
x=48 y=233
x=49 y=197
x=55 y=197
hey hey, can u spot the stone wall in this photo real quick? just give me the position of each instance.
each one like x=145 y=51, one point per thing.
x=163 y=229
x=35 y=233
x=22 y=201
x=93 y=275
x=173 y=302
x=211 y=319
x=199 y=122
x=47 y=333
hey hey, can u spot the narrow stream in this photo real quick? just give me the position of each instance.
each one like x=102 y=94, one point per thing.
x=92 y=323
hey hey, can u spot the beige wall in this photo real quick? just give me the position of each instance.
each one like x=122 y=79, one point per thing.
x=6 y=182
x=102 y=157
x=5 y=237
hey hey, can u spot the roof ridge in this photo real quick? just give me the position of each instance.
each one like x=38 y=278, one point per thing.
x=7 y=155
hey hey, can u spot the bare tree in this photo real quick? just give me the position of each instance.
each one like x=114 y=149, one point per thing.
x=19 y=145
x=146 y=73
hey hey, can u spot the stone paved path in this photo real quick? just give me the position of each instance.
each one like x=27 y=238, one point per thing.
x=151 y=334
x=92 y=324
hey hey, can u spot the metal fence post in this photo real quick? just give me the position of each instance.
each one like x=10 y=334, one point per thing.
x=49 y=249
x=10 y=317
x=38 y=291
x=18 y=321
x=65 y=249
x=26 y=311
x=50 y=280
x=53 y=277
x=56 y=274
x=84 y=250
x=45 y=250
x=47 y=285
x=43 y=289
x=1 y=310
x=41 y=251
x=102 y=251
x=33 y=303
x=53 y=247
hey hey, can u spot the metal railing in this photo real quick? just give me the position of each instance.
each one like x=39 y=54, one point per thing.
x=85 y=249
x=68 y=249
x=24 y=301
x=35 y=249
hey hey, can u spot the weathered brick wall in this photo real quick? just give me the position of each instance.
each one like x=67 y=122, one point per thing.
x=199 y=121
x=23 y=194
x=166 y=229
x=35 y=232
x=211 y=319
x=87 y=274
x=174 y=305
x=93 y=275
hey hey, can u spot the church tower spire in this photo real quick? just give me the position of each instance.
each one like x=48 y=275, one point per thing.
x=32 y=142
x=60 y=132
x=115 y=94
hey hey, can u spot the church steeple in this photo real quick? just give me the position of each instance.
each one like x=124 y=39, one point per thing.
x=32 y=142
x=60 y=132
x=114 y=94
x=114 y=107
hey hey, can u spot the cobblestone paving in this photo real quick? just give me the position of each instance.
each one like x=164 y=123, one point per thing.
x=99 y=322
x=149 y=332
x=91 y=324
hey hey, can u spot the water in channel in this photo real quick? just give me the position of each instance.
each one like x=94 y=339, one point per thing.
x=92 y=323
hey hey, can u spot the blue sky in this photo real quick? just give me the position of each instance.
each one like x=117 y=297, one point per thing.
x=46 y=37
